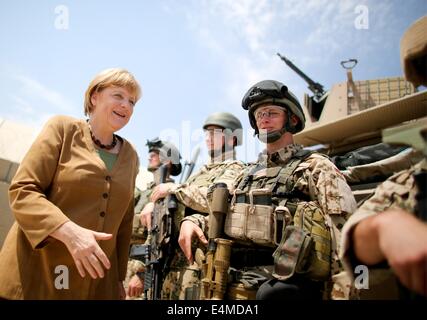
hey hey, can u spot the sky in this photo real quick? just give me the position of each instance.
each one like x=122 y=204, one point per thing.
x=191 y=57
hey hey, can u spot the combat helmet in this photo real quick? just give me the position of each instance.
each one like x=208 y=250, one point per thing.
x=276 y=93
x=227 y=121
x=167 y=152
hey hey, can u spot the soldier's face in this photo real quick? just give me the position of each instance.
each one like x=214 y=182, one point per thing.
x=269 y=118
x=153 y=160
x=214 y=138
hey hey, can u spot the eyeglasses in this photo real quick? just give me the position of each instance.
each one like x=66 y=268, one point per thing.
x=268 y=113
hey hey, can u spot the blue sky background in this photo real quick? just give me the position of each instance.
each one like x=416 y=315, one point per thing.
x=191 y=58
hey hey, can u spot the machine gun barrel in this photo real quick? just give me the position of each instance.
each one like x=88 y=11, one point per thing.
x=315 y=87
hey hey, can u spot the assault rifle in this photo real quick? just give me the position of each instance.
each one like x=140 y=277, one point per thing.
x=189 y=166
x=156 y=254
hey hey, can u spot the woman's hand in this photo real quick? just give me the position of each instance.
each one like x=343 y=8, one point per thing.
x=83 y=247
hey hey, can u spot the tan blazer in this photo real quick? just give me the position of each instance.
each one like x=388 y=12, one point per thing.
x=60 y=179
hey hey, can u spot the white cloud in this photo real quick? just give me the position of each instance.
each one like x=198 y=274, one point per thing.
x=34 y=89
x=36 y=121
x=244 y=35
x=23 y=105
x=29 y=101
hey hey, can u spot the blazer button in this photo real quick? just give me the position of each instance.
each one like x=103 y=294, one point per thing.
x=102 y=214
x=108 y=178
x=105 y=195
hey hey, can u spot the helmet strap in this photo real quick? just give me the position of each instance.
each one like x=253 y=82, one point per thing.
x=272 y=136
x=289 y=127
x=152 y=169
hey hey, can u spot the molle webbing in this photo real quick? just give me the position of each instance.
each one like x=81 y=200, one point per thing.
x=277 y=179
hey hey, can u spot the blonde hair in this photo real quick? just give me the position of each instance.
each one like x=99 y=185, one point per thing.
x=111 y=77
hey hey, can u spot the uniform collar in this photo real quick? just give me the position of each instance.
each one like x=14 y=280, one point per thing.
x=156 y=177
x=227 y=156
x=279 y=157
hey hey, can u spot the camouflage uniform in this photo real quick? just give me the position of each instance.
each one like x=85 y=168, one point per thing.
x=317 y=177
x=193 y=194
x=139 y=234
x=398 y=191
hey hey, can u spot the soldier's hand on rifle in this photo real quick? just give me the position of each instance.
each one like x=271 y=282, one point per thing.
x=161 y=191
x=145 y=216
x=83 y=247
x=135 y=287
x=188 y=231
x=401 y=239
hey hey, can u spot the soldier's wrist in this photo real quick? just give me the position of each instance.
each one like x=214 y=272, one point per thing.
x=191 y=219
x=173 y=187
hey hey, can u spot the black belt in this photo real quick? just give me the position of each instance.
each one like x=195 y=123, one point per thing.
x=261 y=199
x=251 y=257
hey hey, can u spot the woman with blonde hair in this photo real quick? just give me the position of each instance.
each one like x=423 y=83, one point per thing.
x=72 y=198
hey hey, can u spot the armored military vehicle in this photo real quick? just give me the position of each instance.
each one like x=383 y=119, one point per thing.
x=347 y=121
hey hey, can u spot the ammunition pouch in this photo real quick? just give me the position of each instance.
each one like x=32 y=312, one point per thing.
x=305 y=246
x=297 y=229
x=251 y=221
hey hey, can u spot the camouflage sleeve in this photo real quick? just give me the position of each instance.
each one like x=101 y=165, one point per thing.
x=144 y=198
x=397 y=191
x=199 y=220
x=340 y=277
x=136 y=195
x=195 y=197
x=326 y=184
x=230 y=175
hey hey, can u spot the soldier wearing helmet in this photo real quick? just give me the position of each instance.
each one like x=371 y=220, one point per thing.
x=297 y=201
x=391 y=225
x=273 y=94
x=163 y=152
x=223 y=132
x=159 y=153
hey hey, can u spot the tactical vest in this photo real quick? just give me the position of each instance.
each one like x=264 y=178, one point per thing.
x=266 y=209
